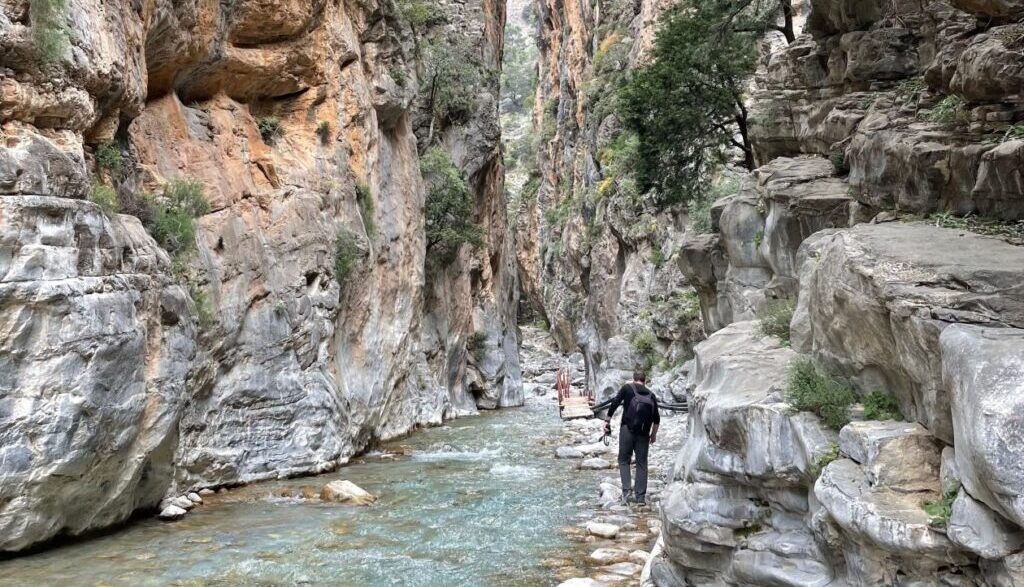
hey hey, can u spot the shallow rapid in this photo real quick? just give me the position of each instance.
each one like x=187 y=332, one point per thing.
x=479 y=501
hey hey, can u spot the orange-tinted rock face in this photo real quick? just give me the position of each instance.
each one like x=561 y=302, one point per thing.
x=253 y=358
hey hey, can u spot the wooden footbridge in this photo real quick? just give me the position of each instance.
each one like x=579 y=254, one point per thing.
x=573 y=404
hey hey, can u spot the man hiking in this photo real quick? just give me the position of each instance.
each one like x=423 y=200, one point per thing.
x=639 y=430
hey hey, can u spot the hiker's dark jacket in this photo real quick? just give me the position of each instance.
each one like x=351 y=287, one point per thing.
x=624 y=397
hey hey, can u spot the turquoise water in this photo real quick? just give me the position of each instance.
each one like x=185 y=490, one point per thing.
x=477 y=502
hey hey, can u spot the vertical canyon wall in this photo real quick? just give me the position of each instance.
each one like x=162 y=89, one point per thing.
x=127 y=372
x=876 y=131
x=598 y=255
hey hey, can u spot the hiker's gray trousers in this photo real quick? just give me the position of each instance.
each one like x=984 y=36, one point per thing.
x=633 y=444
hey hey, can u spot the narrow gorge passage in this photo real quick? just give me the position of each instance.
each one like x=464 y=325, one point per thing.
x=259 y=257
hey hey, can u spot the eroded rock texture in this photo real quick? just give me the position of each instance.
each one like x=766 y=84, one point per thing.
x=595 y=258
x=126 y=373
x=848 y=143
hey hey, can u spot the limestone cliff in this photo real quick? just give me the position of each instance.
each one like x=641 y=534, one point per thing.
x=597 y=256
x=307 y=322
x=877 y=116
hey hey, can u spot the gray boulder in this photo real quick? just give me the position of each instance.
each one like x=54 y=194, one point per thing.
x=984 y=371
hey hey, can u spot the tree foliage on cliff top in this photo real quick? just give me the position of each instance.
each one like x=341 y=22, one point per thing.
x=686 y=106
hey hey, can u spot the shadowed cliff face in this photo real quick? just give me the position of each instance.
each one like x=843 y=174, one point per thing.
x=128 y=372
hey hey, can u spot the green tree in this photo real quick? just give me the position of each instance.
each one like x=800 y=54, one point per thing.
x=449 y=209
x=450 y=82
x=519 y=68
x=687 y=107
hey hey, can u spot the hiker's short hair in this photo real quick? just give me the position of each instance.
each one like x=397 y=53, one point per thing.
x=639 y=375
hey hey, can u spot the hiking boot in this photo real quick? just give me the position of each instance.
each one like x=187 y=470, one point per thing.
x=628 y=498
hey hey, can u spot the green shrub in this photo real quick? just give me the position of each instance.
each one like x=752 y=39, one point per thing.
x=323 y=130
x=1013 y=132
x=910 y=89
x=940 y=510
x=173 y=216
x=699 y=206
x=476 y=344
x=270 y=129
x=449 y=207
x=812 y=389
x=776 y=319
x=822 y=461
x=657 y=257
x=49 y=29
x=364 y=197
x=838 y=159
x=881 y=406
x=950 y=110
x=450 y=77
x=207 y=318
x=399 y=76
x=419 y=13
x=686 y=105
x=105 y=197
x=108 y=156
x=346 y=256
x=645 y=344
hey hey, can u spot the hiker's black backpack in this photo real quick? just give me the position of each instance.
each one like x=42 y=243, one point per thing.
x=640 y=412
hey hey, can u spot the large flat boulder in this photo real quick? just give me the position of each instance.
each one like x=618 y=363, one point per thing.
x=888 y=520
x=893 y=454
x=875 y=298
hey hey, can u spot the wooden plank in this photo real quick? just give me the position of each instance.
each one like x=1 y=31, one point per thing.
x=576 y=407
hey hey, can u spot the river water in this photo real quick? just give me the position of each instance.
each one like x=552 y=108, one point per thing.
x=479 y=501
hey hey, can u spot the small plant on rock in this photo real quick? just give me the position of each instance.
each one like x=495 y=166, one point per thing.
x=645 y=344
x=477 y=345
x=657 y=257
x=948 y=111
x=207 y=318
x=838 y=159
x=364 y=197
x=881 y=406
x=105 y=197
x=813 y=389
x=1014 y=132
x=776 y=320
x=823 y=461
x=346 y=256
x=108 y=156
x=399 y=76
x=323 y=130
x=173 y=216
x=49 y=29
x=940 y=510
x=270 y=129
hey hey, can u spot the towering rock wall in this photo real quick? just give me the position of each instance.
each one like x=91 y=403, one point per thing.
x=878 y=114
x=596 y=254
x=126 y=372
